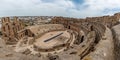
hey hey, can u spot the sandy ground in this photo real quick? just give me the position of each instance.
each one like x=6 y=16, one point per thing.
x=56 y=41
x=7 y=53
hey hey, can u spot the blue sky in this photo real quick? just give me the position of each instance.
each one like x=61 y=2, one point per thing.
x=77 y=2
x=67 y=8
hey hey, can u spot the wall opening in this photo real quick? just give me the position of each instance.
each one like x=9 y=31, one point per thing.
x=91 y=28
x=68 y=27
x=33 y=35
x=26 y=32
x=82 y=39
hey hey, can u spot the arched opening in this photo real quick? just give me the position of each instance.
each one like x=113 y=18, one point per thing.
x=8 y=27
x=68 y=27
x=82 y=39
x=5 y=35
x=91 y=28
x=26 y=32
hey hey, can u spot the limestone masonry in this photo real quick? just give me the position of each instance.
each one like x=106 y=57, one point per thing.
x=62 y=38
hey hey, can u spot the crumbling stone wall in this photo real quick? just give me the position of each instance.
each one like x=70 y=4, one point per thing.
x=11 y=30
x=96 y=24
x=109 y=21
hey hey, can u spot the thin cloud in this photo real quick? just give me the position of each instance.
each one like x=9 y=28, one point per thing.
x=67 y=8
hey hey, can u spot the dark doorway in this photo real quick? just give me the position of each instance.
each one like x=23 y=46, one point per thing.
x=91 y=28
x=82 y=39
x=26 y=32
x=68 y=27
x=33 y=35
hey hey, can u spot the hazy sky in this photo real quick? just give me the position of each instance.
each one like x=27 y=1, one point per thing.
x=70 y=8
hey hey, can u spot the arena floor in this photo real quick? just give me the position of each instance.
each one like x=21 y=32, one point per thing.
x=52 y=39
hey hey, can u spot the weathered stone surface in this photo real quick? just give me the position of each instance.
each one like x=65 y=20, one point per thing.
x=104 y=49
x=81 y=39
x=116 y=36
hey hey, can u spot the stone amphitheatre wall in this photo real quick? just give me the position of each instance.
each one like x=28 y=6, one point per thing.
x=11 y=30
x=97 y=24
x=39 y=30
x=106 y=20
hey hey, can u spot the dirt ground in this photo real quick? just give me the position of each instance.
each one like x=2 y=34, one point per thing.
x=53 y=42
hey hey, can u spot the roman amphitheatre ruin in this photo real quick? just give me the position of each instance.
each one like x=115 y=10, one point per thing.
x=60 y=38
